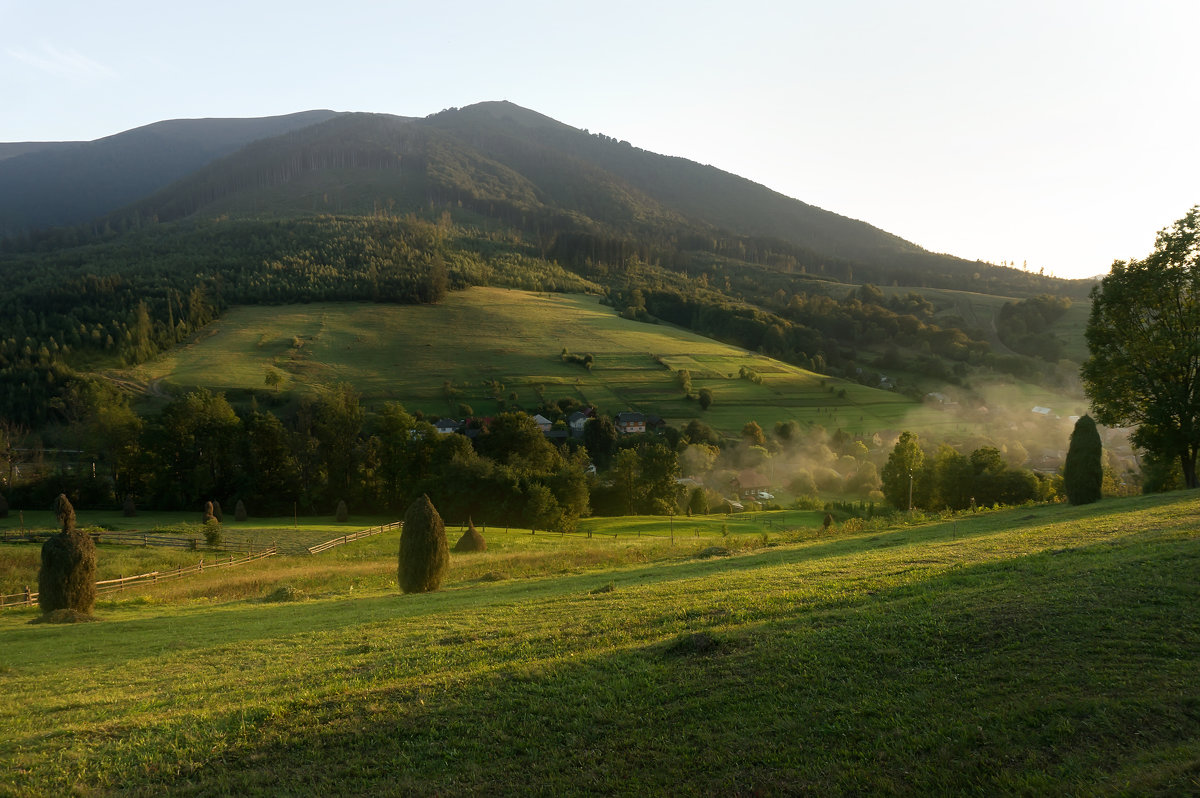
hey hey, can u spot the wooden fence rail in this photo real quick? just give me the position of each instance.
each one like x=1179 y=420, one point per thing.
x=154 y=577
x=362 y=533
x=143 y=539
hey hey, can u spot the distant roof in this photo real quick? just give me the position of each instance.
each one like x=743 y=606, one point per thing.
x=630 y=416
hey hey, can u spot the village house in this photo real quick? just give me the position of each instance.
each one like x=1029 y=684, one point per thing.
x=577 y=420
x=629 y=423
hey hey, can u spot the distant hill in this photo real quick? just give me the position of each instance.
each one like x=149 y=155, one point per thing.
x=63 y=183
x=581 y=196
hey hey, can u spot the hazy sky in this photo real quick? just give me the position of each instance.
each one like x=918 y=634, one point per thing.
x=1061 y=134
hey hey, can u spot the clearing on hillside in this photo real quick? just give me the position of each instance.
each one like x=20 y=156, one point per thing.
x=482 y=345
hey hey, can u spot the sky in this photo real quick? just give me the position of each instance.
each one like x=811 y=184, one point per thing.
x=1055 y=135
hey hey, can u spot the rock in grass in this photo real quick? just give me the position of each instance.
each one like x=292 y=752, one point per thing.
x=471 y=540
x=423 y=550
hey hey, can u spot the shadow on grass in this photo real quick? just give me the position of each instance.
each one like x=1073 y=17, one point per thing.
x=1072 y=674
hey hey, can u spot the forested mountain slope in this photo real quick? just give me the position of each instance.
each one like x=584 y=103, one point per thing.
x=63 y=183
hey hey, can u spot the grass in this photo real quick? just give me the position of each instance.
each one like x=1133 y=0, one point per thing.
x=1046 y=650
x=408 y=353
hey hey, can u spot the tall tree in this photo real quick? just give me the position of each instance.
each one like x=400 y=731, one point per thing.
x=901 y=470
x=1083 y=472
x=1144 y=369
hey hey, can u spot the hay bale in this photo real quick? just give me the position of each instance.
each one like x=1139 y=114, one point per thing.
x=239 y=512
x=423 y=551
x=471 y=540
x=128 y=508
x=67 y=578
x=65 y=616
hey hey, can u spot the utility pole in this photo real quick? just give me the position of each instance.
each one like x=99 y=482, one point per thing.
x=910 y=484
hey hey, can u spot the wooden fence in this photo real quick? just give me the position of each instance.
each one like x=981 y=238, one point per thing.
x=144 y=539
x=362 y=533
x=154 y=577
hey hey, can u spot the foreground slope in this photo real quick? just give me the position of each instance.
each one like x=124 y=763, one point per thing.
x=1047 y=650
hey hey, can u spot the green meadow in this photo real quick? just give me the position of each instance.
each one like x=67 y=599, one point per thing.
x=1046 y=650
x=415 y=353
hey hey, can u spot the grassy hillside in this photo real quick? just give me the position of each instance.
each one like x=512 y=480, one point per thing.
x=1047 y=650
x=481 y=334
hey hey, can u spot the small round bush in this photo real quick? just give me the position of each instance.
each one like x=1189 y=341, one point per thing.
x=423 y=550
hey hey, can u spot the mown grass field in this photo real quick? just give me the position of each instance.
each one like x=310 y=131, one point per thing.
x=1040 y=650
x=409 y=353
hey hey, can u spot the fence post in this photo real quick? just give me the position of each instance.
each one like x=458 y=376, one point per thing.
x=28 y=595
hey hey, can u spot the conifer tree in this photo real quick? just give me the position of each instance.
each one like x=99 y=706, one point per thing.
x=1083 y=471
x=423 y=550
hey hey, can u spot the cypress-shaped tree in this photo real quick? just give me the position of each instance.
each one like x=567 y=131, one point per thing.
x=67 y=579
x=1083 y=472
x=423 y=550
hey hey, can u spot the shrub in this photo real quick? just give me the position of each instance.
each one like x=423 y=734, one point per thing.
x=471 y=540
x=1083 y=471
x=423 y=550
x=343 y=512
x=212 y=533
x=67 y=579
x=239 y=512
x=129 y=509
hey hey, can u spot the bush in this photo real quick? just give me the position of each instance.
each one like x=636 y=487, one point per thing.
x=129 y=509
x=471 y=540
x=423 y=551
x=343 y=512
x=67 y=579
x=239 y=512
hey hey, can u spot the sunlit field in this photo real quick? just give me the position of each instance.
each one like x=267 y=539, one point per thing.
x=1037 y=650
